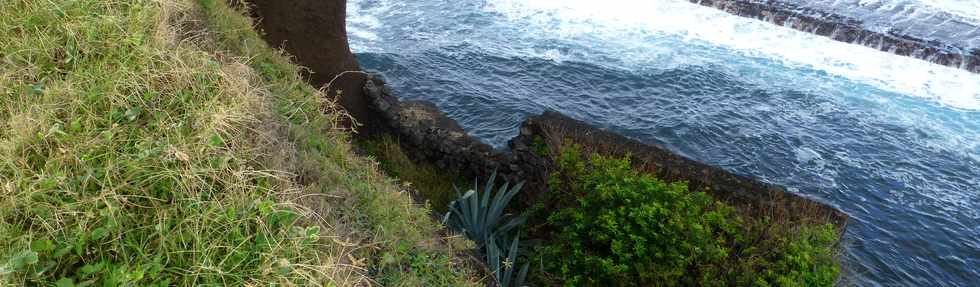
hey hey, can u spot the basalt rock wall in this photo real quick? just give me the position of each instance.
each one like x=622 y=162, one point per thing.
x=850 y=30
x=429 y=135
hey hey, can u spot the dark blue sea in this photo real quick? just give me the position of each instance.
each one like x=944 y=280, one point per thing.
x=892 y=141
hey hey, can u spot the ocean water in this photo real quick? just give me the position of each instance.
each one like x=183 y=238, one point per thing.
x=892 y=141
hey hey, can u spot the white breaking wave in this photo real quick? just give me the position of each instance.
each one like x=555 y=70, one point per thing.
x=953 y=22
x=361 y=23
x=631 y=24
x=969 y=9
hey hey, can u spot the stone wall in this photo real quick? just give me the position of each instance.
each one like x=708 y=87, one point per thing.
x=429 y=135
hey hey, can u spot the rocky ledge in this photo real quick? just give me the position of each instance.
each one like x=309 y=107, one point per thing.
x=849 y=29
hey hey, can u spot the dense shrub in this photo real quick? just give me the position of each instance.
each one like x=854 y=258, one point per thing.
x=631 y=229
x=617 y=227
x=806 y=259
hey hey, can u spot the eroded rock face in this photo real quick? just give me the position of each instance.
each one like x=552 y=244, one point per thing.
x=314 y=32
x=841 y=26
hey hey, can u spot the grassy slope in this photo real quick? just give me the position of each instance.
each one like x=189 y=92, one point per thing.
x=432 y=183
x=163 y=142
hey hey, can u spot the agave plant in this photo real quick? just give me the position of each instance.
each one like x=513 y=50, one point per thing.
x=504 y=271
x=481 y=219
x=478 y=216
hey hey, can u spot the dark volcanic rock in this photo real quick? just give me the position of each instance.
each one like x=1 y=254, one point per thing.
x=315 y=33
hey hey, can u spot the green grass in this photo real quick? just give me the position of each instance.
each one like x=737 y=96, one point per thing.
x=432 y=183
x=162 y=142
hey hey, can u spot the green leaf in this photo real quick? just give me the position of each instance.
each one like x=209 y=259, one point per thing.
x=42 y=246
x=136 y=275
x=75 y=126
x=215 y=141
x=265 y=207
x=99 y=233
x=92 y=268
x=86 y=283
x=36 y=88
x=61 y=252
x=133 y=114
x=388 y=259
x=23 y=259
x=311 y=234
x=65 y=282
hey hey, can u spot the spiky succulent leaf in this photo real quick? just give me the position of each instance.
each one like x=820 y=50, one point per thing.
x=493 y=259
x=511 y=223
x=479 y=215
x=522 y=276
x=512 y=262
x=488 y=188
x=501 y=200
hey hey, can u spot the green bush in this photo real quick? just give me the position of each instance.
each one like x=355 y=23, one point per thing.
x=806 y=259
x=631 y=229
x=617 y=227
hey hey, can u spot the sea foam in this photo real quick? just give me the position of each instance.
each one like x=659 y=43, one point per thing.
x=632 y=24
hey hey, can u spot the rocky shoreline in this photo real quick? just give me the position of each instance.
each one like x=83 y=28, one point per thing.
x=850 y=30
x=430 y=135
x=427 y=133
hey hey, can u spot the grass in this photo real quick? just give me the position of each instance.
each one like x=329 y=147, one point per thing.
x=433 y=184
x=164 y=143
